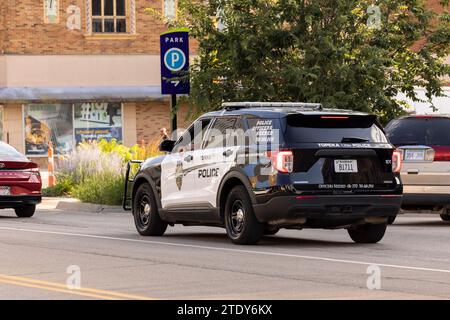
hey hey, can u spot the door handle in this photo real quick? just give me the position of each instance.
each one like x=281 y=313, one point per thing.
x=413 y=171
x=188 y=158
x=228 y=153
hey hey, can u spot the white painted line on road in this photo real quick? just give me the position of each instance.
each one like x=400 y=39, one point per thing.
x=276 y=254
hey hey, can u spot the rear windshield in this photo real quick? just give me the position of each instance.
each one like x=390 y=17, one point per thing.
x=419 y=131
x=9 y=153
x=336 y=129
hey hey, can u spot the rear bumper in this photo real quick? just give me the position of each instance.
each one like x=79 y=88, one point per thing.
x=426 y=199
x=332 y=207
x=426 y=195
x=17 y=201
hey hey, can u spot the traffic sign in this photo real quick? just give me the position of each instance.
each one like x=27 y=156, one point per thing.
x=175 y=62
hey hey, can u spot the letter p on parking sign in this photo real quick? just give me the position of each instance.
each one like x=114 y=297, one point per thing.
x=175 y=62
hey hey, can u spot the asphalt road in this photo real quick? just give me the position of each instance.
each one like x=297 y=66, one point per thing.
x=200 y=263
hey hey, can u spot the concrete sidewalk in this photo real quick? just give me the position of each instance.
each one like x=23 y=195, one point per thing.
x=75 y=205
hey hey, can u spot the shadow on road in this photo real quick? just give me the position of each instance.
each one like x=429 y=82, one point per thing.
x=434 y=223
x=265 y=241
x=9 y=217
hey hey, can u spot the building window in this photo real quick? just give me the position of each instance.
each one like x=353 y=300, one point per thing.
x=97 y=121
x=109 y=16
x=45 y=123
x=170 y=9
x=67 y=125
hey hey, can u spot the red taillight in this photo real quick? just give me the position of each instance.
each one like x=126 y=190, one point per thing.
x=33 y=170
x=283 y=161
x=442 y=153
x=305 y=197
x=396 y=161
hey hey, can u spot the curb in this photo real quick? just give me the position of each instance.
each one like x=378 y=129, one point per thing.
x=70 y=204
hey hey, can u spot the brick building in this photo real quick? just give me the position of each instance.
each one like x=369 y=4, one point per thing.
x=80 y=69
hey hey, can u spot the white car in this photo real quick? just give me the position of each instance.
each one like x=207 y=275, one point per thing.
x=424 y=142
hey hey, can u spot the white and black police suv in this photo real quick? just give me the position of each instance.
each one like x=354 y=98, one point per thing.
x=255 y=168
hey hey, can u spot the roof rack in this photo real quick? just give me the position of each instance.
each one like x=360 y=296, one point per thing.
x=245 y=105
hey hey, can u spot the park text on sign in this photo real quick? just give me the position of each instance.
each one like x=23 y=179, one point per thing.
x=175 y=62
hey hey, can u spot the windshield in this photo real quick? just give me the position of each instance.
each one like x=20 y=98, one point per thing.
x=333 y=129
x=419 y=131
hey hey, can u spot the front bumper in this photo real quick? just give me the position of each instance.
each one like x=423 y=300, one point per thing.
x=17 y=201
x=346 y=208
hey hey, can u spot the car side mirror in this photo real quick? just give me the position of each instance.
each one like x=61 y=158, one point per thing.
x=166 y=145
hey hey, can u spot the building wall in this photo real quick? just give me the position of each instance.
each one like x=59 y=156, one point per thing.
x=79 y=70
x=13 y=125
x=28 y=34
x=152 y=116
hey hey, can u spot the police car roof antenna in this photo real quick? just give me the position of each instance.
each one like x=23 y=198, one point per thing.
x=250 y=105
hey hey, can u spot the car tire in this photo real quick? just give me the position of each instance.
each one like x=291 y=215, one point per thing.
x=367 y=233
x=26 y=211
x=240 y=221
x=391 y=219
x=145 y=213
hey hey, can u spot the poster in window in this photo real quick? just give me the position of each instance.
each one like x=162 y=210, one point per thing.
x=97 y=121
x=48 y=122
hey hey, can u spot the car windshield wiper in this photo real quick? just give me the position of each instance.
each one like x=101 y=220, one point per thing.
x=354 y=139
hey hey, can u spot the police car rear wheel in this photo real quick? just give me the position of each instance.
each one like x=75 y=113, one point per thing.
x=240 y=221
x=368 y=233
x=145 y=212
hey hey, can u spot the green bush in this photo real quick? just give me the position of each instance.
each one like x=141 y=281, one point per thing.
x=104 y=189
x=63 y=187
x=95 y=171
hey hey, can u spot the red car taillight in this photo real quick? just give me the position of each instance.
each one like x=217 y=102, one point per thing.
x=283 y=161
x=396 y=161
x=33 y=172
x=442 y=153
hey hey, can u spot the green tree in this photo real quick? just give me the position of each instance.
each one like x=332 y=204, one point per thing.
x=352 y=54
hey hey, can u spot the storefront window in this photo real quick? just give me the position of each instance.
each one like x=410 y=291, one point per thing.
x=97 y=121
x=48 y=122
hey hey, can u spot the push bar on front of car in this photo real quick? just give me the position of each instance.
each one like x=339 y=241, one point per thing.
x=126 y=202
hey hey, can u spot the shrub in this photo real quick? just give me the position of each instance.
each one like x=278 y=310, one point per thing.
x=63 y=187
x=103 y=188
x=95 y=171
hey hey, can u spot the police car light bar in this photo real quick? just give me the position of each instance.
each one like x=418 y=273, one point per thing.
x=241 y=105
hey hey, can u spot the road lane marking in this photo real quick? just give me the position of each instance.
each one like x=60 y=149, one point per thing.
x=276 y=254
x=57 y=287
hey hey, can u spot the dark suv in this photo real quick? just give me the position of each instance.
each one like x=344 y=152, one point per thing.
x=257 y=167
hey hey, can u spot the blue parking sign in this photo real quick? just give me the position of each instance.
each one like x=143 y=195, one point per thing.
x=175 y=62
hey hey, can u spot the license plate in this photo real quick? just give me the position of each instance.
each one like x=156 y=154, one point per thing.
x=345 y=166
x=5 y=191
x=415 y=155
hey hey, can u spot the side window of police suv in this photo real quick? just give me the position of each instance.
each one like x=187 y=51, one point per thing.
x=192 y=138
x=220 y=132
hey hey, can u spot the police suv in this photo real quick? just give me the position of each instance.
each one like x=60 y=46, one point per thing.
x=255 y=168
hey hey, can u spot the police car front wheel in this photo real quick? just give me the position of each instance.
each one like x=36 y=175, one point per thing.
x=145 y=212
x=240 y=221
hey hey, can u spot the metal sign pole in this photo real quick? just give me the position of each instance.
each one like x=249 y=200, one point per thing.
x=173 y=109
